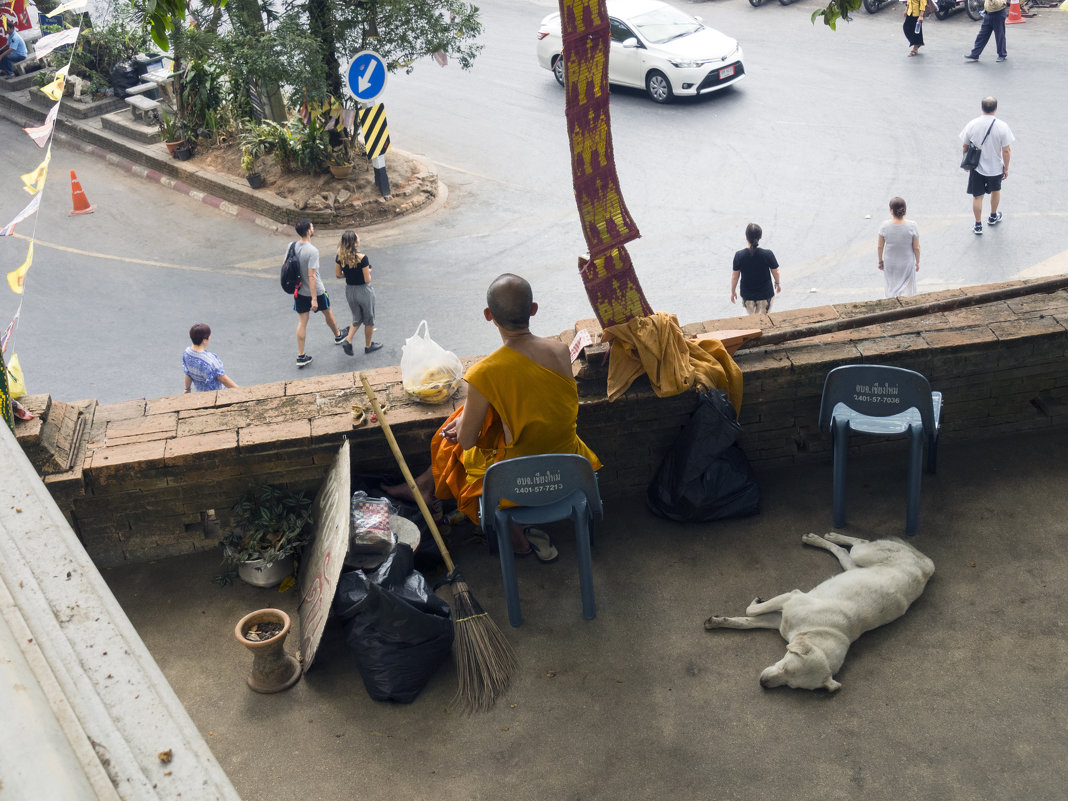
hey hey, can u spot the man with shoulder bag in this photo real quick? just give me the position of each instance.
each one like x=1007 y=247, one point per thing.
x=994 y=14
x=990 y=139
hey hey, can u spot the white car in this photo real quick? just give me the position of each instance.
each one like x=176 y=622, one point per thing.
x=655 y=47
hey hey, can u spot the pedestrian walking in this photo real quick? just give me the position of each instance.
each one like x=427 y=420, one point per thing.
x=994 y=13
x=355 y=268
x=899 y=251
x=994 y=137
x=203 y=369
x=756 y=268
x=311 y=294
x=913 y=26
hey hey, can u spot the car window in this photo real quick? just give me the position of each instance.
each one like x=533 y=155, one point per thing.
x=620 y=31
x=664 y=24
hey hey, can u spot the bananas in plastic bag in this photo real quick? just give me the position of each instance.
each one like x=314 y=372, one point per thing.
x=430 y=373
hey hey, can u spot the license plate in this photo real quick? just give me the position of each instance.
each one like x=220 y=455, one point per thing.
x=726 y=72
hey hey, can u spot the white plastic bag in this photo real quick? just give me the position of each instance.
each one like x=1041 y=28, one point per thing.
x=430 y=373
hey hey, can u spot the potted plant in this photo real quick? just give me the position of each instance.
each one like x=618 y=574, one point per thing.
x=255 y=142
x=171 y=131
x=270 y=525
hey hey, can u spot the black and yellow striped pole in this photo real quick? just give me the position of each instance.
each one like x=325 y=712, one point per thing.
x=376 y=142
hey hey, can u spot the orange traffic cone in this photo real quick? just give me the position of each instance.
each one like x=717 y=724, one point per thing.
x=1014 y=13
x=77 y=196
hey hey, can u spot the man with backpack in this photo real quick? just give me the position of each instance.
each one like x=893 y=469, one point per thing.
x=304 y=300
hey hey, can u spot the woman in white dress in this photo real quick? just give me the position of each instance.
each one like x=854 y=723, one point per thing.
x=899 y=251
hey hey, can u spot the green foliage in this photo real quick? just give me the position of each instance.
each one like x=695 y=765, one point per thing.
x=257 y=140
x=270 y=523
x=202 y=90
x=836 y=10
x=170 y=129
x=402 y=31
x=162 y=16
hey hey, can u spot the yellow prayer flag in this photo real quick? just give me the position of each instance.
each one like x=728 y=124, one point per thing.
x=16 y=278
x=34 y=181
x=16 y=384
x=55 y=89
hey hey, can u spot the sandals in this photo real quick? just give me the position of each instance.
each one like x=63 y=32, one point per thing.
x=541 y=546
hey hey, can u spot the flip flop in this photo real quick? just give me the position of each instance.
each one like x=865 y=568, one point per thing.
x=359 y=416
x=541 y=546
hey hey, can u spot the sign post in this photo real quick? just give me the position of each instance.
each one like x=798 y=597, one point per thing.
x=365 y=81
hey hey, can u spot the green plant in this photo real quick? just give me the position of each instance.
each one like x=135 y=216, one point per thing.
x=202 y=95
x=256 y=140
x=170 y=130
x=270 y=523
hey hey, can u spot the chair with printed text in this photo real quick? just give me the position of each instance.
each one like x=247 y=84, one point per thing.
x=544 y=488
x=882 y=401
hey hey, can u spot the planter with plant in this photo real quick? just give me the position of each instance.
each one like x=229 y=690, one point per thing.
x=270 y=526
x=171 y=131
x=256 y=141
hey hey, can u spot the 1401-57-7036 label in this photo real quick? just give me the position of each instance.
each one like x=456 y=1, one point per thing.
x=876 y=393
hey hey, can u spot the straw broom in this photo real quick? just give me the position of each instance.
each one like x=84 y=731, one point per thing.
x=484 y=659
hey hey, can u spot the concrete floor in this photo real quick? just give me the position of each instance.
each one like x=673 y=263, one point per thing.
x=963 y=698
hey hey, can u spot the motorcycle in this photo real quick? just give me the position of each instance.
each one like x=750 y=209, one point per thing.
x=943 y=8
x=871 y=6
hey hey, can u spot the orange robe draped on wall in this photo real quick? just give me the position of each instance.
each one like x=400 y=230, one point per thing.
x=535 y=406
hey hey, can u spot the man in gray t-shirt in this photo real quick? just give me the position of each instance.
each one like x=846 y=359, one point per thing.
x=994 y=137
x=305 y=301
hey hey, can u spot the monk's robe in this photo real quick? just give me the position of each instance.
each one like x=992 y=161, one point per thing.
x=532 y=410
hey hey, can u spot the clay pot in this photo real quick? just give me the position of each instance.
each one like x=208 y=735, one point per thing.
x=273 y=670
x=172 y=146
x=340 y=170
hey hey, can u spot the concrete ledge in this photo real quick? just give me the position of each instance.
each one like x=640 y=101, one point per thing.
x=86 y=709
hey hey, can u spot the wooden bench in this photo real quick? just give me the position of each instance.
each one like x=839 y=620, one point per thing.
x=140 y=106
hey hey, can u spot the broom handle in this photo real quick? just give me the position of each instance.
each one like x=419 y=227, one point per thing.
x=403 y=465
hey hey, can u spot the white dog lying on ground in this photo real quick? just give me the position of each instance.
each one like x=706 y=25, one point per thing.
x=881 y=579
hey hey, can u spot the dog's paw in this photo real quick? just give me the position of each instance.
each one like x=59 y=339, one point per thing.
x=714 y=622
x=812 y=539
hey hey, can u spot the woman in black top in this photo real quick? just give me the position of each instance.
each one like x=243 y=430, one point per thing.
x=756 y=267
x=354 y=267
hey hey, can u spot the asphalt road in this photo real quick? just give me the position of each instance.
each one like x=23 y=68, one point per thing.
x=812 y=144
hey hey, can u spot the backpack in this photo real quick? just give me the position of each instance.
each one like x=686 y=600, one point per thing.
x=291 y=271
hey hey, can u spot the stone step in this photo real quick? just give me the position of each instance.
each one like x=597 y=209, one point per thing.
x=137 y=130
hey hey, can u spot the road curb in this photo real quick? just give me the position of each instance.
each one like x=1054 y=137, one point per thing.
x=212 y=190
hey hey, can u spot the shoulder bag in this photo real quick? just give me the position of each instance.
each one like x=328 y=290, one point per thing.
x=971 y=155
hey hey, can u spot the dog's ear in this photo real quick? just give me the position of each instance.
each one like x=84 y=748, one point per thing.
x=799 y=647
x=831 y=685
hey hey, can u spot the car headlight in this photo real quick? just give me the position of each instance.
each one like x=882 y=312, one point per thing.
x=685 y=64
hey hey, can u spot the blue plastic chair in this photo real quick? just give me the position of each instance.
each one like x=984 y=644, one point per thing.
x=884 y=401
x=546 y=488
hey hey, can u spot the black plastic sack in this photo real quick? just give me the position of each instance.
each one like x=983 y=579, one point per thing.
x=705 y=475
x=397 y=629
x=124 y=76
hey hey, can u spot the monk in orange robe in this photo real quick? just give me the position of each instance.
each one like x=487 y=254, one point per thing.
x=522 y=400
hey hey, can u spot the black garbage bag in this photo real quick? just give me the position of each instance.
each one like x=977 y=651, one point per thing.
x=396 y=627
x=124 y=76
x=705 y=475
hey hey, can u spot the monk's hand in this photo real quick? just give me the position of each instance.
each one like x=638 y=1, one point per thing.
x=449 y=430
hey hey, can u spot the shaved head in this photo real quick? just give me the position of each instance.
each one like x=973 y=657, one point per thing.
x=510 y=300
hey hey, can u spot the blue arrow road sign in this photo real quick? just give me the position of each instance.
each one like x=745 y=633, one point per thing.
x=366 y=76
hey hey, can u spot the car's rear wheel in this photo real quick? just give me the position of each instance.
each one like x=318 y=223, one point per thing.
x=755 y=3
x=558 y=69
x=871 y=6
x=659 y=87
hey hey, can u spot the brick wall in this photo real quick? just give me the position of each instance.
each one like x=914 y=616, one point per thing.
x=152 y=467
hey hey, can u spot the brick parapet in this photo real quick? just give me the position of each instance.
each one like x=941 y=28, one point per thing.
x=152 y=467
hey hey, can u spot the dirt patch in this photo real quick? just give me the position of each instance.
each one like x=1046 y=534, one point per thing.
x=353 y=200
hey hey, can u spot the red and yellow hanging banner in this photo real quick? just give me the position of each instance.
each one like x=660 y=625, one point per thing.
x=608 y=275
